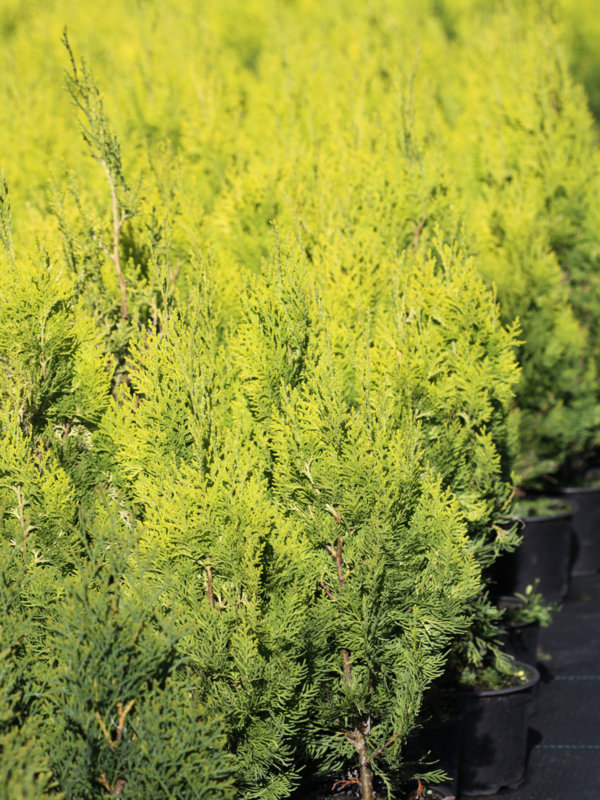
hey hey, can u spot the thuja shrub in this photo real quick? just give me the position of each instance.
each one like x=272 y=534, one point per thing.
x=127 y=722
x=581 y=31
x=526 y=164
x=390 y=555
x=360 y=438
x=442 y=352
x=316 y=458
x=95 y=699
x=286 y=488
x=184 y=452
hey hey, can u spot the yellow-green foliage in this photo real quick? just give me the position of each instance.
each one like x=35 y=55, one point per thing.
x=526 y=165
x=55 y=368
x=450 y=360
x=581 y=28
x=37 y=498
x=271 y=275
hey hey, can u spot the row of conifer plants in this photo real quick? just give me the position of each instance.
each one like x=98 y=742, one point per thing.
x=290 y=304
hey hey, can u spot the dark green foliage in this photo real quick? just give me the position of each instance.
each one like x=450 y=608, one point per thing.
x=179 y=747
x=29 y=589
x=92 y=704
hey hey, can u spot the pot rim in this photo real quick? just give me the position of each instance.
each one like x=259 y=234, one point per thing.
x=509 y=626
x=509 y=601
x=564 y=515
x=568 y=490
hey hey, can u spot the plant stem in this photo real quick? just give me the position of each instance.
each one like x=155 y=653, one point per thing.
x=209 y=588
x=357 y=739
x=118 y=221
x=366 y=773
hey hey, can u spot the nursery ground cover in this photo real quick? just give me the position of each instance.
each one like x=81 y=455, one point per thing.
x=564 y=762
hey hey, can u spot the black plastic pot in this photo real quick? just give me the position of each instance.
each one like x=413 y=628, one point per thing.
x=494 y=740
x=440 y=742
x=585 y=544
x=544 y=553
x=520 y=639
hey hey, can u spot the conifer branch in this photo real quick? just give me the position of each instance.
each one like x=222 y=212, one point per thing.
x=308 y=473
x=104 y=729
x=385 y=746
x=119 y=217
x=345 y=783
x=336 y=554
x=335 y=514
x=19 y=513
x=209 y=588
x=118 y=787
x=347 y=666
x=417 y=232
x=174 y=275
x=123 y=711
x=357 y=737
x=6 y=219
x=366 y=773
x=104 y=148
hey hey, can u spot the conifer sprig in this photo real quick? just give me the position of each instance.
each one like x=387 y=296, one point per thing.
x=104 y=148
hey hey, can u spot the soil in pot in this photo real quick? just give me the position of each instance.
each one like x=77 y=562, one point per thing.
x=351 y=792
x=494 y=741
x=543 y=554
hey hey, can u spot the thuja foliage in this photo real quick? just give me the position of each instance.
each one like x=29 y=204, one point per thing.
x=452 y=363
x=261 y=550
x=258 y=430
x=241 y=587
x=126 y=720
x=530 y=194
x=117 y=261
x=582 y=32
x=391 y=598
x=442 y=351
x=29 y=585
x=357 y=446
x=95 y=701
